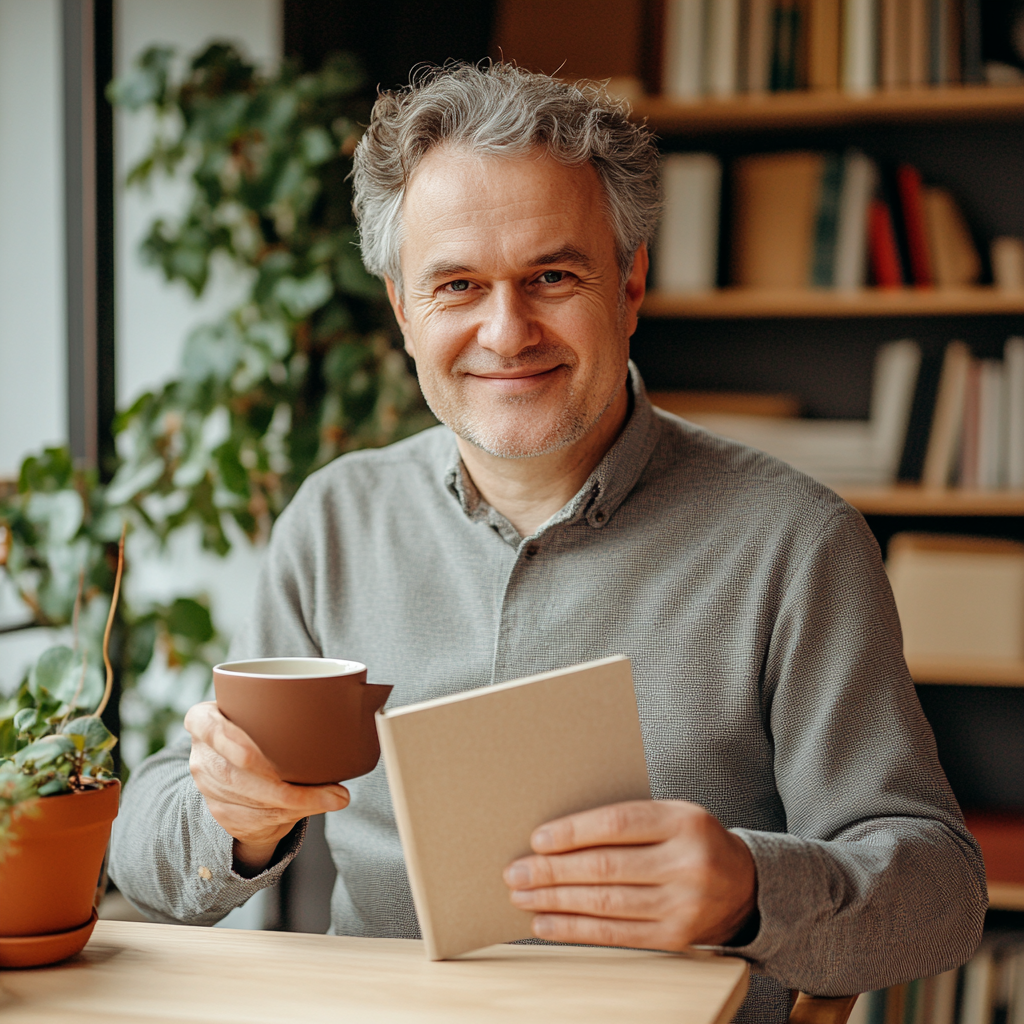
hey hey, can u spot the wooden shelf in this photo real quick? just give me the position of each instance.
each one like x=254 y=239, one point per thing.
x=911 y=500
x=774 y=111
x=740 y=303
x=1005 y=896
x=949 y=672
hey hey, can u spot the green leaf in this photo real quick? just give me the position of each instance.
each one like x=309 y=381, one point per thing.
x=49 y=670
x=89 y=734
x=189 y=619
x=25 y=719
x=61 y=512
x=45 y=751
x=54 y=787
x=301 y=297
x=134 y=478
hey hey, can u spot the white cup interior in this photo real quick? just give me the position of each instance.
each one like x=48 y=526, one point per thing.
x=284 y=668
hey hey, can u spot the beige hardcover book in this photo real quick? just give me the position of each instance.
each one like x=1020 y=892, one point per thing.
x=948 y=418
x=894 y=40
x=953 y=254
x=919 y=28
x=774 y=210
x=472 y=775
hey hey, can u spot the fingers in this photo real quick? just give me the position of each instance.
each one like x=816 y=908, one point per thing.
x=208 y=725
x=634 y=822
x=602 y=931
x=608 y=865
x=621 y=902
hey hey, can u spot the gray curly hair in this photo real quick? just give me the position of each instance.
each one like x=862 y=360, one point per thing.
x=498 y=109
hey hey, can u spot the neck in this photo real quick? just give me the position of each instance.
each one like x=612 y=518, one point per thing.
x=528 y=492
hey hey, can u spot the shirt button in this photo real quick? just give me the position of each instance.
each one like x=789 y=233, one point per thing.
x=599 y=517
x=204 y=873
x=532 y=549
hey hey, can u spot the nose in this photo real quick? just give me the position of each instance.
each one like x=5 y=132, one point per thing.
x=507 y=326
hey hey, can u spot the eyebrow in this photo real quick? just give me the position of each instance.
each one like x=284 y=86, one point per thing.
x=568 y=254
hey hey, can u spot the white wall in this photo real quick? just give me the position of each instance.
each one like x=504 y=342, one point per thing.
x=32 y=363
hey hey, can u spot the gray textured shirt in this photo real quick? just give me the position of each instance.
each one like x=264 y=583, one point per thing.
x=769 y=675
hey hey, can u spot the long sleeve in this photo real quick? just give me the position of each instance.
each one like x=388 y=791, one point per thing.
x=169 y=856
x=877 y=880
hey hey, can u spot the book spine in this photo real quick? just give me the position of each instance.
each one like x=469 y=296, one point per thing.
x=939 y=42
x=784 y=52
x=759 y=37
x=723 y=47
x=954 y=42
x=885 y=259
x=890 y=65
x=919 y=33
x=908 y=184
x=947 y=419
x=860 y=45
x=973 y=67
x=826 y=223
x=687 y=250
x=860 y=178
x=823 y=21
x=944 y=998
x=969 y=444
x=684 y=49
x=1013 y=357
x=976 y=1004
x=991 y=426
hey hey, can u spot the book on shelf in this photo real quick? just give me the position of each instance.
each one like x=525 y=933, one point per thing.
x=1000 y=834
x=686 y=251
x=472 y=775
x=953 y=256
x=1007 y=255
x=720 y=47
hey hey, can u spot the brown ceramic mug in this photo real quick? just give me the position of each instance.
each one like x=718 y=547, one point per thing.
x=311 y=717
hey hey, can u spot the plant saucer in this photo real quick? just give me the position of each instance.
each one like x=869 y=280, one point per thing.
x=17 y=951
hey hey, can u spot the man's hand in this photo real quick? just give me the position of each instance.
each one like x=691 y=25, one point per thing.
x=648 y=874
x=244 y=793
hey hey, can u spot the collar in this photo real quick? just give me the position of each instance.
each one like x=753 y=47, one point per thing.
x=605 y=489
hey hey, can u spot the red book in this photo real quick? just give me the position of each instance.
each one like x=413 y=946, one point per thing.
x=1000 y=835
x=908 y=185
x=884 y=254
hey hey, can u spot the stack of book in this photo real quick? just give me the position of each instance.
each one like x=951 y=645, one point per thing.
x=989 y=989
x=811 y=219
x=724 y=47
x=976 y=440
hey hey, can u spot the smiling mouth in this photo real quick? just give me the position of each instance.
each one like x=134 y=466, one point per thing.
x=526 y=378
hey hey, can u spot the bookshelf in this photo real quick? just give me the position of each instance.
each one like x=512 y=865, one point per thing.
x=913 y=500
x=810 y=109
x=1005 y=896
x=753 y=303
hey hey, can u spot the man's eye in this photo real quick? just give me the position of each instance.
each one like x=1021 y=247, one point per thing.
x=459 y=286
x=552 y=277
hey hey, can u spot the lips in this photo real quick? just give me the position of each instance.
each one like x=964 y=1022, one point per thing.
x=516 y=381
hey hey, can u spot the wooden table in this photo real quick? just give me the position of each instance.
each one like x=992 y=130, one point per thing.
x=153 y=973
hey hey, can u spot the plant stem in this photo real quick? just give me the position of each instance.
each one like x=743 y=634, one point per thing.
x=110 y=622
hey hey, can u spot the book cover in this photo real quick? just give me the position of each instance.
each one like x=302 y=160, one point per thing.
x=947 y=419
x=784 y=50
x=938 y=42
x=758 y=38
x=918 y=48
x=826 y=226
x=886 y=269
x=894 y=44
x=991 y=426
x=860 y=179
x=1013 y=359
x=919 y=427
x=472 y=775
x=908 y=185
x=686 y=255
x=968 y=476
x=775 y=199
x=954 y=257
x=684 y=49
x=823 y=21
x=860 y=46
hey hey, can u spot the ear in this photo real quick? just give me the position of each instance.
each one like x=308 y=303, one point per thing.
x=636 y=285
x=399 y=309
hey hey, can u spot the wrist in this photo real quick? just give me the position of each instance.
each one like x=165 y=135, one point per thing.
x=250 y=857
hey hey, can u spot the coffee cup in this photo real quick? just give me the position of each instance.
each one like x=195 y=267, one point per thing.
x=311 y=717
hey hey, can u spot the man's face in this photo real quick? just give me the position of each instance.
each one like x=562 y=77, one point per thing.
x=512 y=304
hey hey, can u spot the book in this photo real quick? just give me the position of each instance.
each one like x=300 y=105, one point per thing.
x=894 y=44
x=860 y=177
x=908 y=185
x=973 y=65
x=960 y=599
x=947 y=419
x=919 y=427
x=976 y=1002
x=886 y=268
x=991 y=425
x=860 y=46
x=943 y=997
x=918 y=38
x=684 y=49
x=954 y=257
x=823 y=22
x=472 y=775
x=775 y=199
x=786 y=44
x=1000 y=835
x=826 y=226
x=758 y=38
x=1007 y=257
x=686 y=255
x=1013 y=359
x=722 y=54
x=938 y=42
x=967 y=475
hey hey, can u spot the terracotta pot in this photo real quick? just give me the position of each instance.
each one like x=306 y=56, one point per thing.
x=49 y=881
x=311 y=717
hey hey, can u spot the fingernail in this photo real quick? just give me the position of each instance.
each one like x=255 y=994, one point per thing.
x=543 y=840
x=522 y=897
x=517 y=874
x=543 y=927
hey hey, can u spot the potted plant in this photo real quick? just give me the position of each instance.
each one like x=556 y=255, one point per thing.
x=58 y=798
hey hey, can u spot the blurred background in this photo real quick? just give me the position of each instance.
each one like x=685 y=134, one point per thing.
x=186 y=330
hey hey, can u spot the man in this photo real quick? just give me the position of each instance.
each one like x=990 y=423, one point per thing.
x=801 y=817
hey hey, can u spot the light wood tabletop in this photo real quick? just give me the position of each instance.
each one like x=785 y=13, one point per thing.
x=150 y=973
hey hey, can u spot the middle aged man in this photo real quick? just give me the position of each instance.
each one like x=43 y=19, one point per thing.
x=801 y=817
